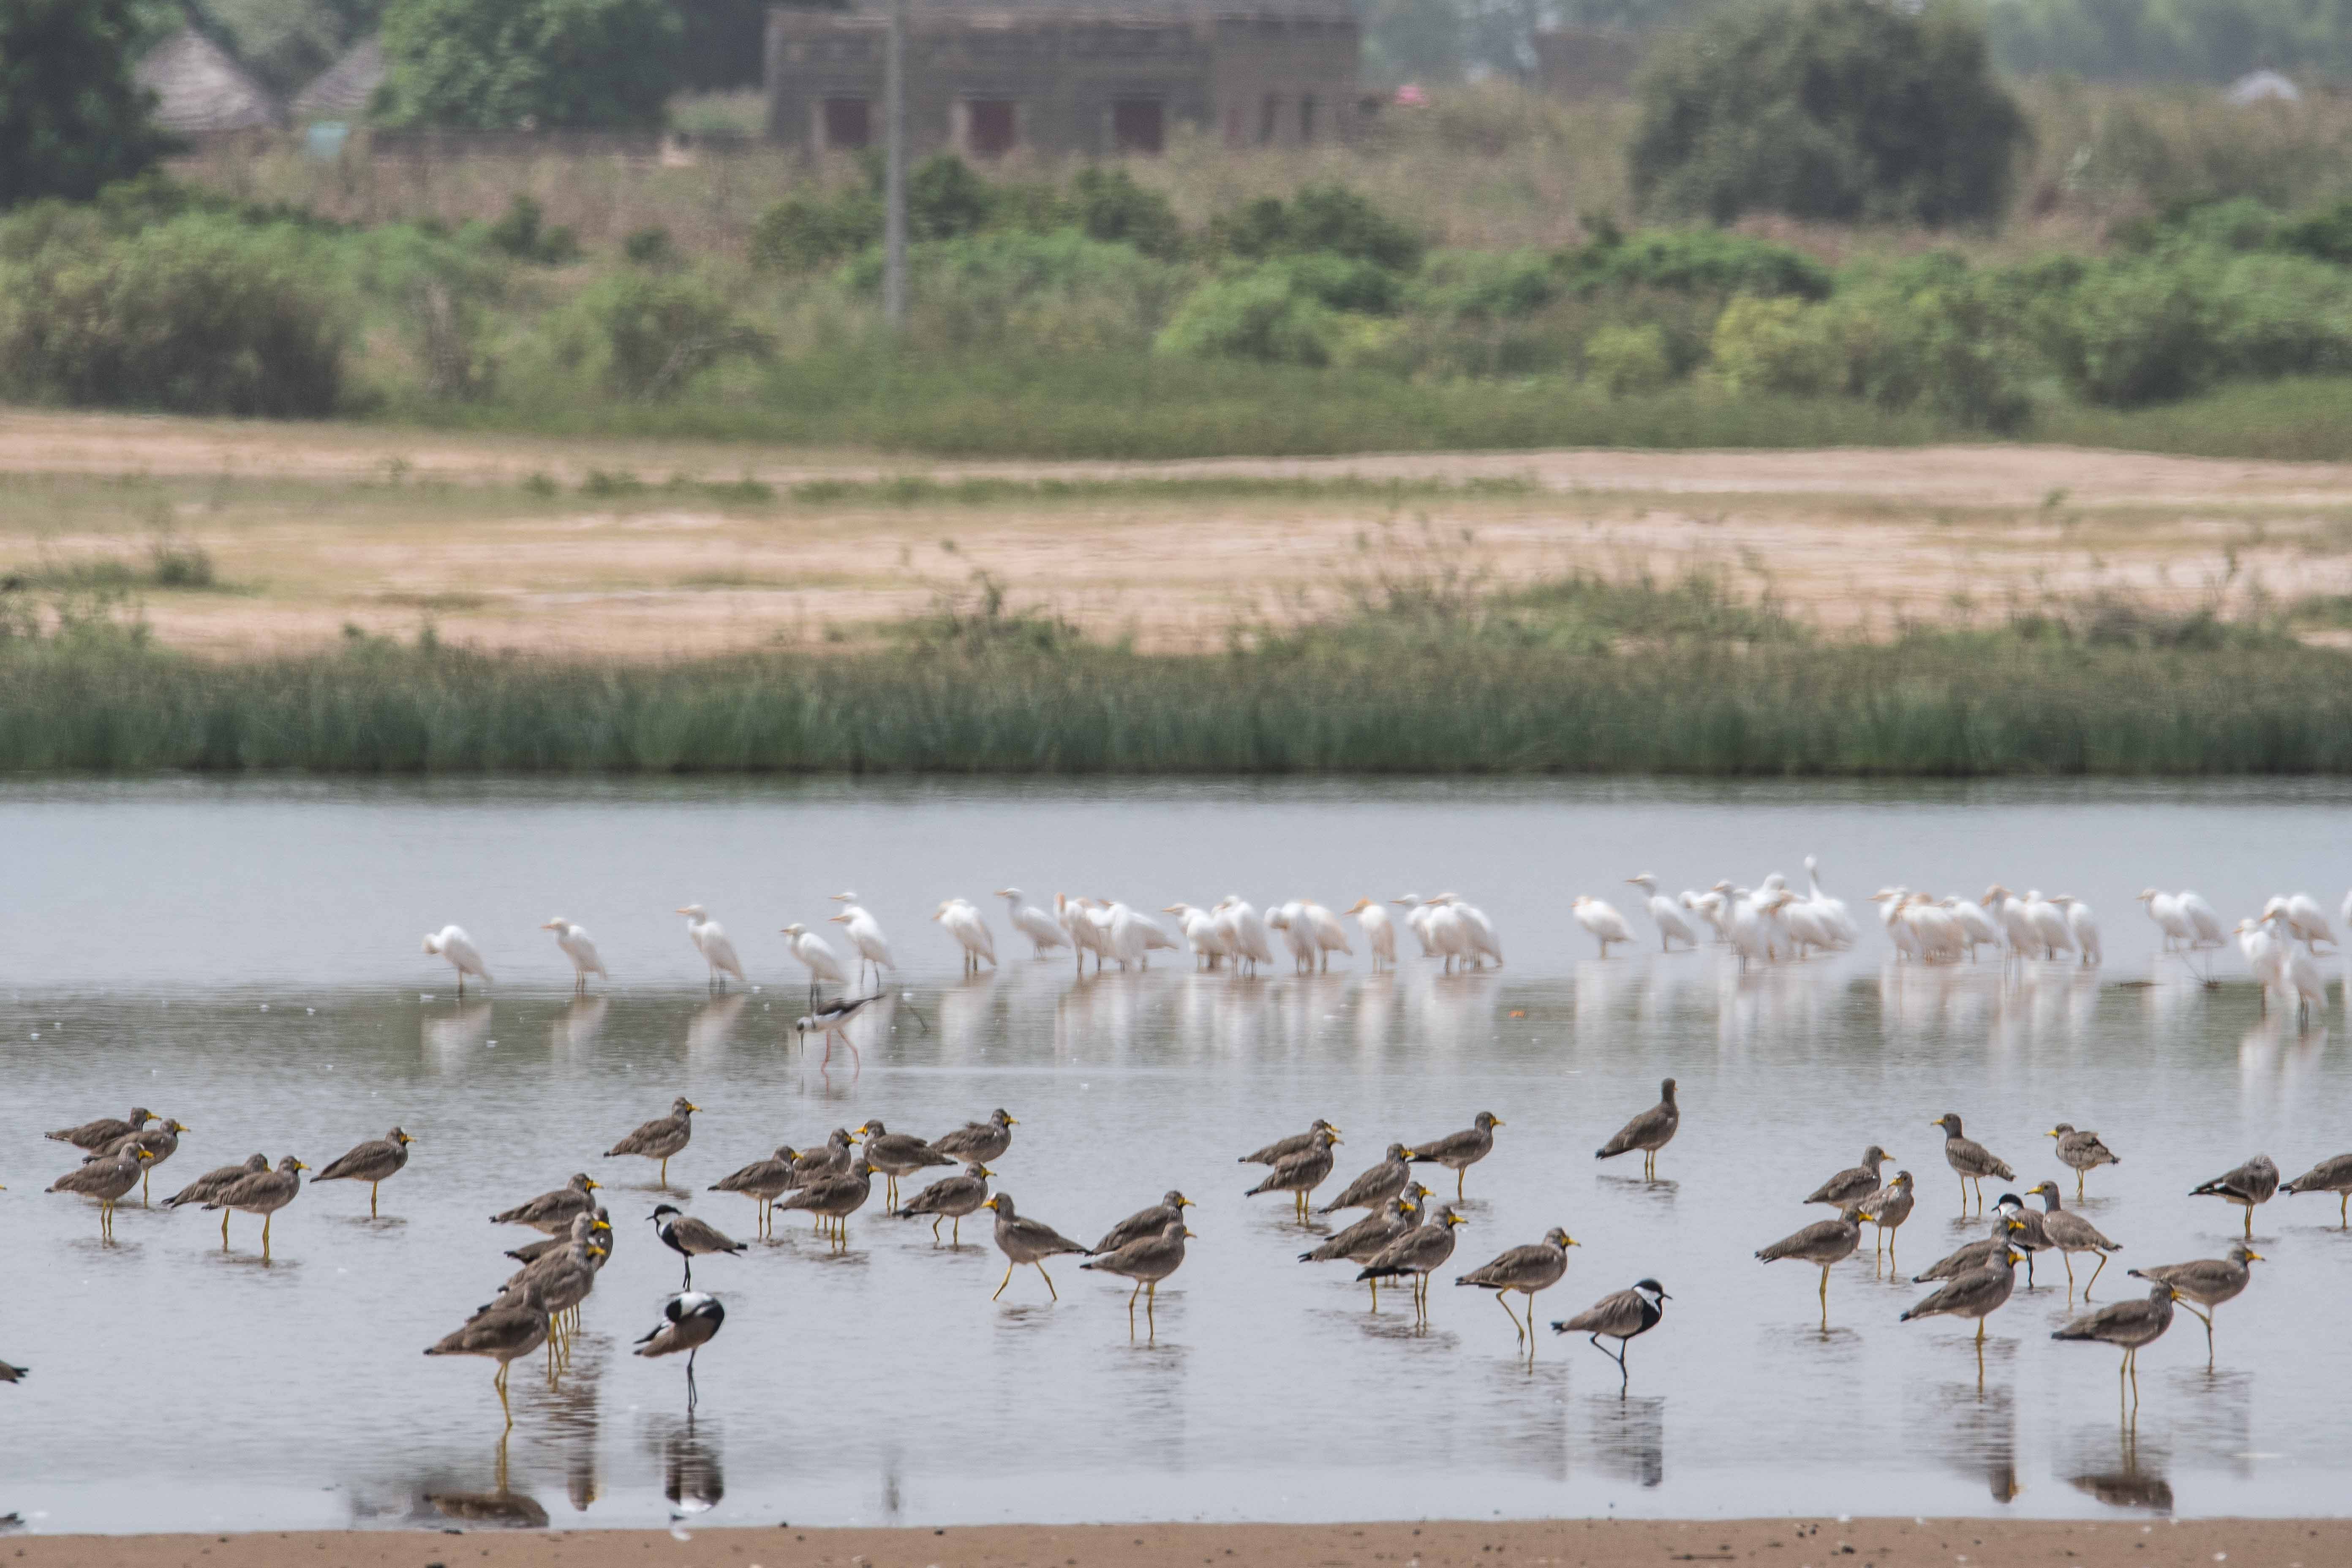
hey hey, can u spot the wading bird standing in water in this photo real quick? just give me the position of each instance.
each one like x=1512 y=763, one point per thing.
x=452 y=943
x=710 y=941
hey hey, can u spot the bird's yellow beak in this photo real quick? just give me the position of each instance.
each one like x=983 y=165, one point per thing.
x=598 y=1252
x=300 y=1166
x=145 y=1153
x=692 y=1106
x=1455 y=1219
x=1013 y=1122
x=1192 y=1235
x=988 y=1205
x=986 y=1172
x=405 y=1138
x=1186 y=1204
x=1572 y=1241
x=1500 y=1122
x=592 y=1184
x=2052 y=1134
x=2256 y=1257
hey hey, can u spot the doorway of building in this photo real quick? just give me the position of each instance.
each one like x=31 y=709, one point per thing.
x=1136 y=125
x=848 y=124
x=988 y=127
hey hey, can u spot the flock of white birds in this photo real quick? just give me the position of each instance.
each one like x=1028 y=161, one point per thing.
x=1770 y=923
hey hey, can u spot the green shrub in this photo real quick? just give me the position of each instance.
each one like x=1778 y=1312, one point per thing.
x=801 y=234
x=198 y=315
x=1113 y=208
x=1325 y=217
x=1779 y=346
x=1060 y=290
x=1834 y=110
x=1693 y=261
x=1626 y=360
x=661 y=330
x=521 y=234
x=1486 y=285
x=1259 y=314
x=945 y=198
x=503 y=65
x=443 y=296
x=650 y=247
x=2132 y=333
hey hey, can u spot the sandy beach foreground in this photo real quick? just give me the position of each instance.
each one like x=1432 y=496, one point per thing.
x=1551 y=1543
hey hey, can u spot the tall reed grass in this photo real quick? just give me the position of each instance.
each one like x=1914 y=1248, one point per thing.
x=1497 y=695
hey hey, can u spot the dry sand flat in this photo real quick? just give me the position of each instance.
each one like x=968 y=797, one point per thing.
x=1553 y=1543
x=321 y=526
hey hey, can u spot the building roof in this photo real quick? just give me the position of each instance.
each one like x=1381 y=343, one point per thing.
x=199 y=87
x=341 y=91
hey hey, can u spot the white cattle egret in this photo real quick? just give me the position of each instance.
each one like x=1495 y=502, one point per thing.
x=1976 y=926
x=2017 y=927
x=1447 y=933
x=1042 y=930
x=1156 y=937
x=1753 y=921
x=1379 y=932
x=864 y=934
x=1831 y=912
x=1084 y=936
x=2169 y=917
x=452 y=943
x=1666 y=914
x=1477 y=931
x=2265 y=956
x=2202 y=920
x=1243 y=931
x=2051 y=931
x=1939 y=935
x=1289 y=919
x=1711 y=907
x=1201 y=934
x=816 y=955
x=1329 y=935
x=1602 y=921
x=710 y=941
x=577 y=947
x=2303 y=978
x=1416 y=920
x=1899 y=930
x=2304 y=920
x=1123 y=932
x=963 y=923
x=2081 y=927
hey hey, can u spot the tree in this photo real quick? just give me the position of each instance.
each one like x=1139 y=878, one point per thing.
x=1835 y=109
x=71 y=118
x=496 y=64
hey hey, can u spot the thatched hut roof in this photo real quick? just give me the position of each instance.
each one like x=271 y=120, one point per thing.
x=200 y=88
x=341 y=91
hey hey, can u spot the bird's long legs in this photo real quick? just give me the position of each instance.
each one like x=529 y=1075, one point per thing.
x=2094 y=1279
x=2249 y=1222
x=2206 y=1318
x=1503 y=1299
x=224 y=1213
x=499 y=1383
x=1825 y=1297
x=105 y=1220
x=1007 y=1280
x=144 y=1171
x=663 y=1180
x=1465 y=1171
x=2068 y=1260
x=1131 y=1295
x=265 y=1234
x=1049 y=1281
x=1617 y=1355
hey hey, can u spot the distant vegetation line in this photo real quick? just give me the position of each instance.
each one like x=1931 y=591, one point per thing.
x=1569 y=678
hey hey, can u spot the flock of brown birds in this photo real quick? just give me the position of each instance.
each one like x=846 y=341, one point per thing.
x=1406 y=1232
x=1976 y=1279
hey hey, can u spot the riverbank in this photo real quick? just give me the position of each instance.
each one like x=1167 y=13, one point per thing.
x=1549 y=1544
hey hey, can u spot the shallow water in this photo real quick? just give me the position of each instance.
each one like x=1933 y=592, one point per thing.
x=245 y=959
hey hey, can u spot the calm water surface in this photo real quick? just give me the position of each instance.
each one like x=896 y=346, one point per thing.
x=245 y=959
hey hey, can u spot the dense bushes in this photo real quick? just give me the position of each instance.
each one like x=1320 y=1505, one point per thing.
x=71 y=118
x=1837 y=110
x=946 y=200
x=505 y=65
x=200 y=314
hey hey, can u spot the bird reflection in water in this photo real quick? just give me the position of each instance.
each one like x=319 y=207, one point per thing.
x=2126 y=1482
x=1980 y=1427
x=713 y=1023
x=692 y=1478
x=504 y=1506
x=459 y=1030
x=1628 y=1438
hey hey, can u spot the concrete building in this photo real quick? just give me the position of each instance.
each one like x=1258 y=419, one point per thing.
x=1061 y=77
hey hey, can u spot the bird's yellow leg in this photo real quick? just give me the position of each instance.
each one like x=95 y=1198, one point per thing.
x=664 y=1177
x=1503 y=1299
x=2095 y=1277
x=224 y=1213
x=372 y=1189
x=144 y=1170
x=1980 y=1331
x=1049 y=1283
x=2249 y=1222
x=1007 y=1280
x=2067 y=1258
x=1376 y=1294
x=955 y=1232
x=1458 y=1177
x=264 y=1236
x=935 y=1233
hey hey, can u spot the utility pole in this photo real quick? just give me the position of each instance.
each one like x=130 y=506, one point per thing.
x=894 y=177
